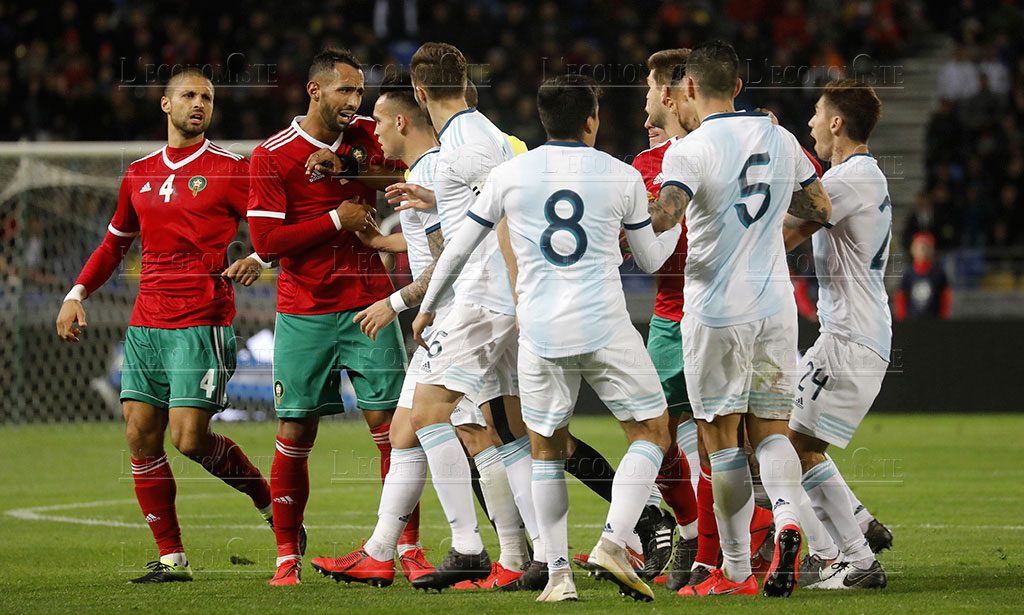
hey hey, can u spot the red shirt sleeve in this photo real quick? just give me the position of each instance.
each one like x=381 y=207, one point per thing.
x=814 y=161
x=121 y=232
x=272 y=238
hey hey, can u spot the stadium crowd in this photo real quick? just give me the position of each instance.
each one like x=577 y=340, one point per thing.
x=75 y=72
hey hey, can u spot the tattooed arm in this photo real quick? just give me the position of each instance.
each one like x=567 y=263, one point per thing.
x=379 y=315
x=670 y=207
x=795 y=231
x=811 y=203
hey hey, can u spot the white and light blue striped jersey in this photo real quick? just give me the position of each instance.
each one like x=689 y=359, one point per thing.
x=565 y=204
x=418 y=223
x=470 y=147
x=851 y=252
x=740 y=171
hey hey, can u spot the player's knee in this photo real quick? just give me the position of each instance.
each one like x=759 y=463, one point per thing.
x=192 y=445
x=378 y=418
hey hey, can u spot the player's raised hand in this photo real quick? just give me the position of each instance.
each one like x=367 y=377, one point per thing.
x=410 y=196
x=423 y=320
x=70 y=312
x=245 y=271
x=355 y=215
x=374 y=318
x=323 y=160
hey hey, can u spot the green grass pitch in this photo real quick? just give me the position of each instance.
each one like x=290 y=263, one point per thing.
x=950 y=487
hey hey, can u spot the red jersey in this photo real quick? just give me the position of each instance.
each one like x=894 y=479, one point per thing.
x=186 y=203
x=669 y=301
x=323 y=269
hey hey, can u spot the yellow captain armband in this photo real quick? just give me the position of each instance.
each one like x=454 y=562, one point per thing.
x=518 y=145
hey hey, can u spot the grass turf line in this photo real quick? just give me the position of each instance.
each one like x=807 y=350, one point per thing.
x=912 y=471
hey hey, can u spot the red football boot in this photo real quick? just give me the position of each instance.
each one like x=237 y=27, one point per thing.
x=357 y=566
x=288 y=573
x=719 y=585
x=414 y=564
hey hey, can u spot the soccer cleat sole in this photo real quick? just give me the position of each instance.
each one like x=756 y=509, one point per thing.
x=781 y=581
x=341 y=576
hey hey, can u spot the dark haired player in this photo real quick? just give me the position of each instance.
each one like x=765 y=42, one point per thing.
x=185 y=200
x=308 y=221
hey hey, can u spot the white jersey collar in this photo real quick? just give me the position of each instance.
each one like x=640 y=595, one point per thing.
x=187 y=159
x=320 y=144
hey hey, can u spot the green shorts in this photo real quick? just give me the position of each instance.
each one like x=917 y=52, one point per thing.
x=178 y=368
x=311 y=350
x=665 y=345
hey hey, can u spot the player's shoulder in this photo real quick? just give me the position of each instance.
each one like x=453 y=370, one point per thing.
x=361 y=126
x=278 y=140
x=145 y=160
x=236 y=161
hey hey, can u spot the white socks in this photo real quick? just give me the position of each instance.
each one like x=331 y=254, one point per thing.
x=780 y=475
x=827 y=492
x=403 y=487
x=686 y=437
x=860 y=512
x=816 y=534
x=552 y=501
x=450 y=473
x=519 y=468
x=501 y=506
x=630 y=489
x=734 y=507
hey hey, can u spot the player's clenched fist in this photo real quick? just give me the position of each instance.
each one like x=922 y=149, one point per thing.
x=245 y=271
x=423 y=320
x=354 y=215
x=70 y=312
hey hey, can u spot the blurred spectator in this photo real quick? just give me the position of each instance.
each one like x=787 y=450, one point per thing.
x=72 y=69
x=958 y=77
x=924 y=292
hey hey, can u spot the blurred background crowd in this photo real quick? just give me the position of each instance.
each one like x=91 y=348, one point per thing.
x=76 y=70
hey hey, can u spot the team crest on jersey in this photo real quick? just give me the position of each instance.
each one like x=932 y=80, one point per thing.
x=196 y=184
x=278 y=391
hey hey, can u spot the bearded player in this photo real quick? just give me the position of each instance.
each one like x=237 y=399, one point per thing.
x=185 y=200
x=308 y=221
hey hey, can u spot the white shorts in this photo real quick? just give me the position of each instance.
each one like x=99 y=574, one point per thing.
x=621 y=374
x=465 y=413
x=741 y=368
x=839 y=381
x=473 y=350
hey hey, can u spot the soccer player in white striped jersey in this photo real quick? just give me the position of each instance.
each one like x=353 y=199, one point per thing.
x=565 y=203
x=734 y=178
x=842 y=373
x=473 y=350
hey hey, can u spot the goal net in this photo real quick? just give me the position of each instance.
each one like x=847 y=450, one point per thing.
x=55 y=203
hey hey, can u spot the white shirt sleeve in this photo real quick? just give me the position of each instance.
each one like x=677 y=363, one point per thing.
x=843 y=197
x=805 y=172
x=488 y=209
x=681 y=166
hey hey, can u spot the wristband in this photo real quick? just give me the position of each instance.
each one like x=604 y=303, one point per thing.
x=263 y=264
x=397 y=303
x=77 y=293
x=335 y=219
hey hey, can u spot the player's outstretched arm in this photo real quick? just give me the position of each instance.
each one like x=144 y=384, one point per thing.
x=410 y=196
x=649 y=250
x=393 y=243
x=795 y=231
x=379 y=315
x=454 y=257
x=670 y=207
x=811 y=203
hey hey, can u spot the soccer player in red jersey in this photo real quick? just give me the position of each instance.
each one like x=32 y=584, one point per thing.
x=308 y=221
x=185 y=200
